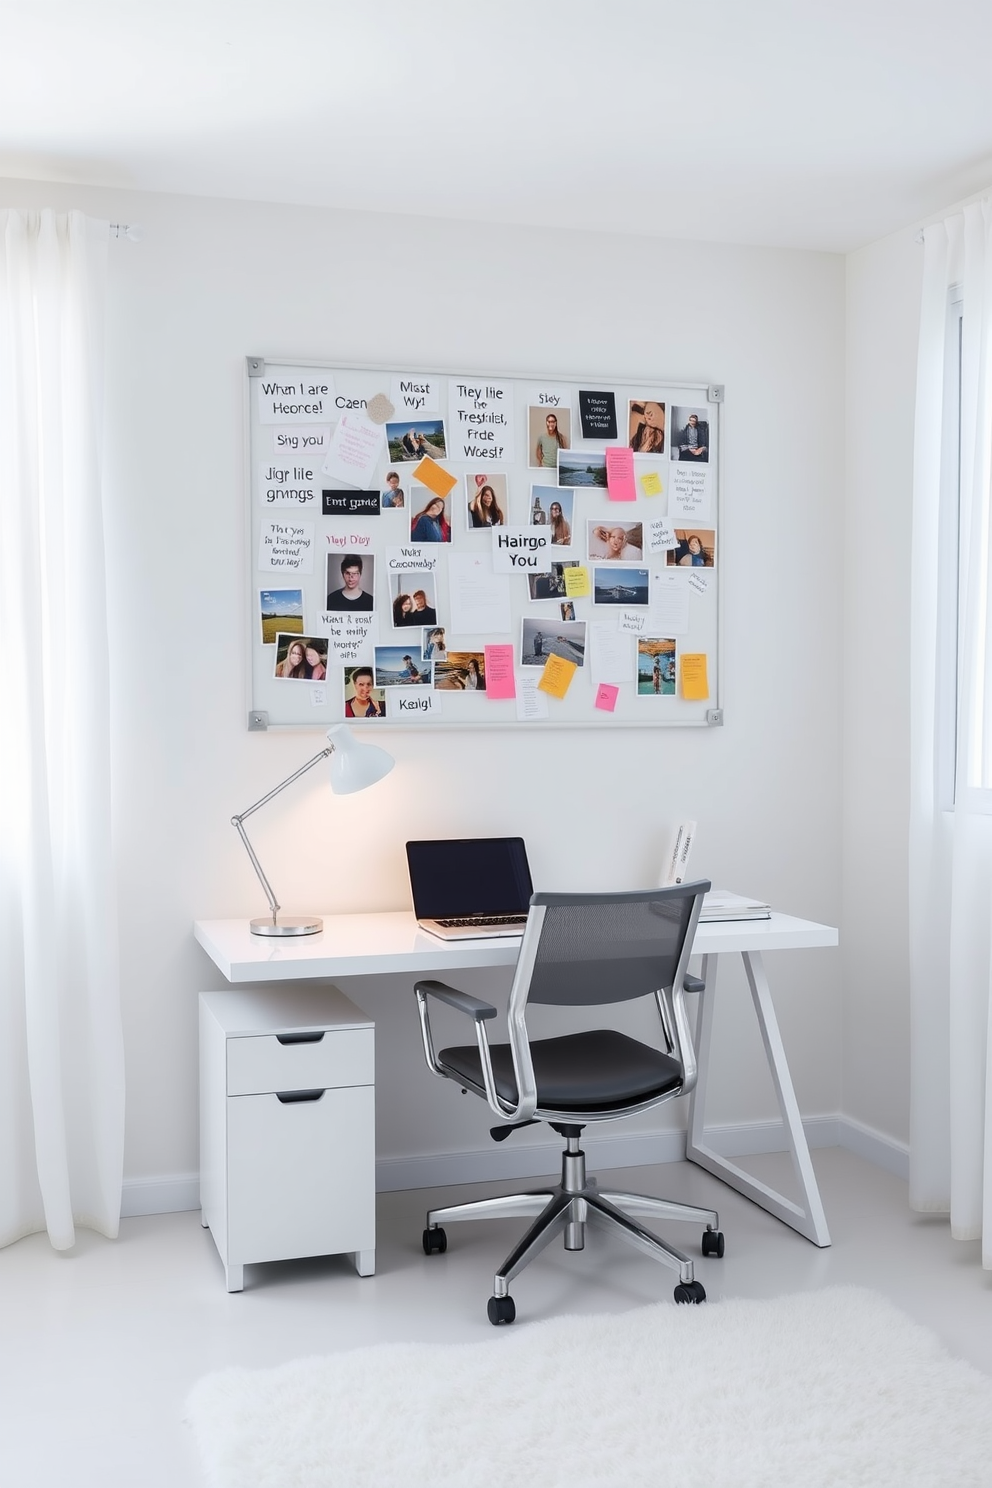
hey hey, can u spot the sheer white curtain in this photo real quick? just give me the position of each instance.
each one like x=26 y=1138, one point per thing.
x=951 y=827
x=61 y=1055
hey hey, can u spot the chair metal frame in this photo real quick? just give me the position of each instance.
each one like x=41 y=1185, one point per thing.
x=577 y=1200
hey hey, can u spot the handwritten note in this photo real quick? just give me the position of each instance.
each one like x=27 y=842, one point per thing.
x=356 y=446
x=481 y=416
x=690 y=493
x=620 y=474
x=521 y=549
x=670 y=601
x=288 y=483
x=557 y=676
x=651 y=483
x=412 y=558
x=434 y=476
x=661 y=535
x=598 y=413
x=285 y=545
x=634 y=622
x=499 y=672
x=692 y=670
x=612 y=654
x=306 y=399
x=411 y=393
x=414 y=706
x=576 y=582
x=546 y=395
x=606 y=697
x=699 y=581
x=347 y=637
x=301 y=441
x=532 y=705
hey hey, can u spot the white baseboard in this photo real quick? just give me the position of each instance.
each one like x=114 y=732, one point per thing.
x=506 y=1160
x=160 y=1195
x=885 y=1152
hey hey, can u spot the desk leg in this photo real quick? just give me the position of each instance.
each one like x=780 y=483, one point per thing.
x=809 y=1219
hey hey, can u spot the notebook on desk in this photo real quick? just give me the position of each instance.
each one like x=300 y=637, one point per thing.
x=470 y=888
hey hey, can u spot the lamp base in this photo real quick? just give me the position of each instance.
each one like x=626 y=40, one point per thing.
x=288 y=925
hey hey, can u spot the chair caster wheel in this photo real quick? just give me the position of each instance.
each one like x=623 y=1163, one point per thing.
x=690 y=1291
x=713 y=1243
x=435 y=1240
x=501 y=1310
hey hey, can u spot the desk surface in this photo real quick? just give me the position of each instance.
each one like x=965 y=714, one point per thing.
x=370 y=944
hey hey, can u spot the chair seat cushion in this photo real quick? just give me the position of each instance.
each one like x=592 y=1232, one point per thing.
x=596 y=1070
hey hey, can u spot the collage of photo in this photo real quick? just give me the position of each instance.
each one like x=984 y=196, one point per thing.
x=411 y=596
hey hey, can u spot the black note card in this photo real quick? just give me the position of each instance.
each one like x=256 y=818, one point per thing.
x=598 y=412
x=351 y=503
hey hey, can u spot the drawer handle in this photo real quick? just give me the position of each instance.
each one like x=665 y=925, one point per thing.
x=289 y=1096
x=301 y=1038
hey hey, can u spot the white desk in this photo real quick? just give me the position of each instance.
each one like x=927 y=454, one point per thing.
x=370 y=944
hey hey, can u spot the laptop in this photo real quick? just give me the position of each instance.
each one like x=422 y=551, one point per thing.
x=470 y=888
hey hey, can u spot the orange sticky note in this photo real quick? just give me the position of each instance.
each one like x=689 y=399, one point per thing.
x=434 y=476
x=557 y=676
x=651 y=483
x=692 y=668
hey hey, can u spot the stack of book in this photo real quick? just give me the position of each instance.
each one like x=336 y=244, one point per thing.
x=720 y=904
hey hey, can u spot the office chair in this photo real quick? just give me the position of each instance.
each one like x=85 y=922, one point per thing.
x=581 y=950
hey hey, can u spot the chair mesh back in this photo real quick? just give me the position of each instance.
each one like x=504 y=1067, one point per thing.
x=608 y=950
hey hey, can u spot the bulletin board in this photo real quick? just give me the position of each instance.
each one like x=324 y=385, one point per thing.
x=464 y=549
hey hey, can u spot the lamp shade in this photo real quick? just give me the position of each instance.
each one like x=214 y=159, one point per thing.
x=354 y=766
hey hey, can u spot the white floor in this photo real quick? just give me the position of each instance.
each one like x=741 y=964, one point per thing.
x=99 y=1347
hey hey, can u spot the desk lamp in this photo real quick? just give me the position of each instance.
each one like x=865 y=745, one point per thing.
x=354 y=766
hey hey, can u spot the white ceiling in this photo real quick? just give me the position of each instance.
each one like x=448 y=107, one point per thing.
x=790 y=122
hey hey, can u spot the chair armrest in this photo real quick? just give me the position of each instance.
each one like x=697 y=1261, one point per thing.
x=463 y=1001
x=693 y=983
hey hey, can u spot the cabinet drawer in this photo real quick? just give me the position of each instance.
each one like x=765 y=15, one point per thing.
x=301 y=1175
x=260 y=1065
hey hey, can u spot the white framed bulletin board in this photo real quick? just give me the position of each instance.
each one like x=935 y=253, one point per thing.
x=463 y=549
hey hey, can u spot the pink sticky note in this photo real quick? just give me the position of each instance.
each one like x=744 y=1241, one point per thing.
x=606 y=696
x=499 y=672
x=620 y=474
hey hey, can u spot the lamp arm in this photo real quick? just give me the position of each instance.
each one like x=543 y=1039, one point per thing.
x=238 y=822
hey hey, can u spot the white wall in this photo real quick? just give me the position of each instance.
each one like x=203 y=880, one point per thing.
x=883 y=297
x=214 y=281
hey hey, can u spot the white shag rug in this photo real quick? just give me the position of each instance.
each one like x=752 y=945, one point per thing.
x=828 y=1389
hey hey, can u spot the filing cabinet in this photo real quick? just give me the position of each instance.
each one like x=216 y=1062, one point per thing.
x=287 y=1126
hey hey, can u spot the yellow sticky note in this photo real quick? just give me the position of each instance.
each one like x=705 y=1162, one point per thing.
x=557 y=675
x=692 y=666
x=576 y=582
x=651 y=483
x=434 y=476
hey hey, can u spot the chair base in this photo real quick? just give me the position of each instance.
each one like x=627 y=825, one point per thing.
x=567 y=1208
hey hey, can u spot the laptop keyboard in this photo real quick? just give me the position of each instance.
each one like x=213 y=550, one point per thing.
x=454 y=924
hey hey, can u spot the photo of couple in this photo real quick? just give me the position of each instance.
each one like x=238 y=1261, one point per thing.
x=301 y=658
x=413 y=605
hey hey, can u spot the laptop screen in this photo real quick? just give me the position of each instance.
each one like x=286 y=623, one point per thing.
x=467 y=876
